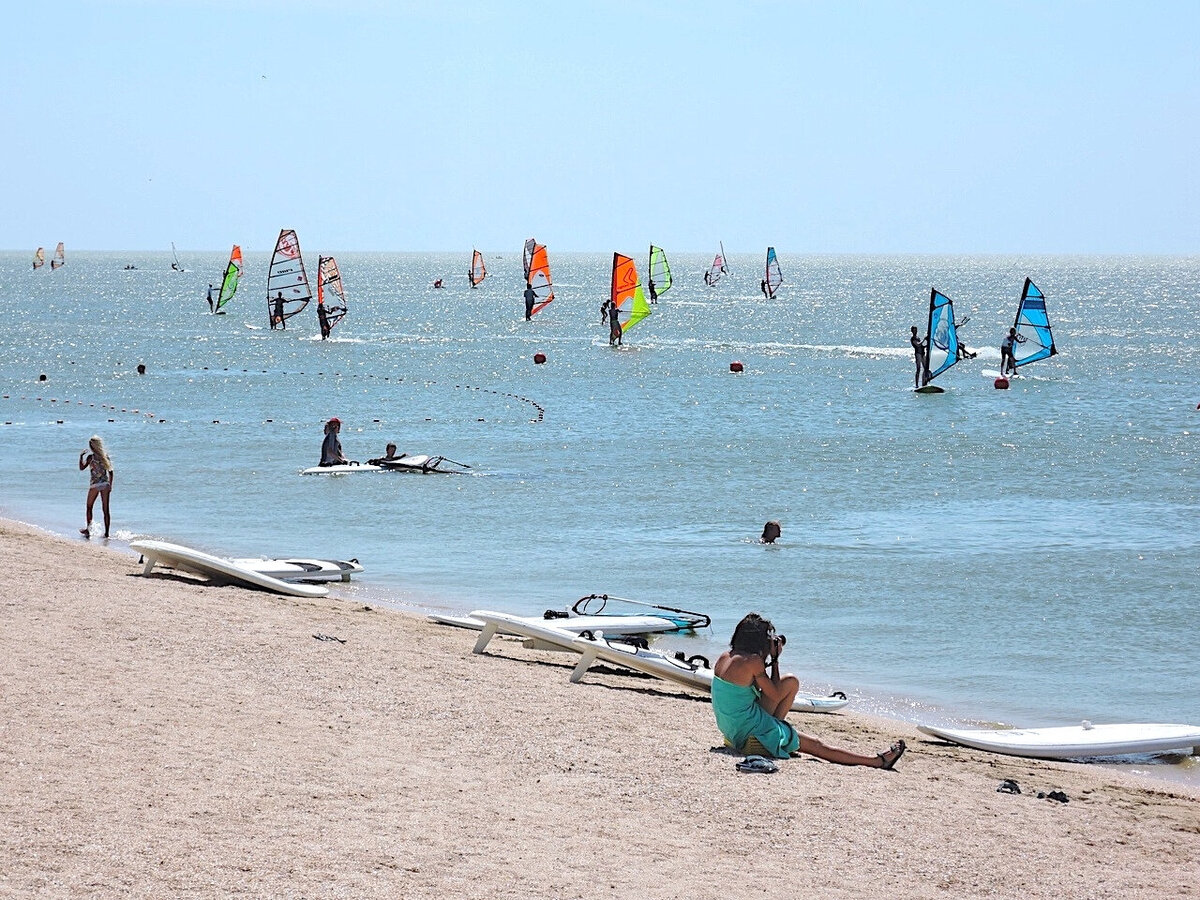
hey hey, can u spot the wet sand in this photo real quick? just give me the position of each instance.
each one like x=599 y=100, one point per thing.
x=164 y=737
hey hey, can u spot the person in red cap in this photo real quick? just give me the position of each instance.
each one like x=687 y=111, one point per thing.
x=331 y=449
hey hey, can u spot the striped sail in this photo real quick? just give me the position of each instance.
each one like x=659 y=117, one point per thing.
x=286 y=278
x=941 y=334
x=660 y=272
x=539 y=278
x=331 y=295
x=717 y=269
x=1033 y=324
x=39 y=258
x=229 y=283
x=627 y=292
x=530 y=246
x=478 y=270
x=59 y=259
x=774 y=277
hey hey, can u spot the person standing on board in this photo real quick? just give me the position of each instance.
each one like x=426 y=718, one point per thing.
x=530 y=299
x=277 y=317
x=614 y=324
x=331 y=447
x=323 y=320
x=1007 y=359
x=653 y=292
x=210 y=303
x=919 y=351
x=102 y=477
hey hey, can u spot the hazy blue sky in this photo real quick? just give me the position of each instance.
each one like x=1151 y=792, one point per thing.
x=817 y=127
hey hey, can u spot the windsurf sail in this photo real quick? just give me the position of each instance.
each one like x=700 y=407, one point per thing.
x=59 y=259
x=287 y=282
x=941 y=336
x=530 y=246
x=717 y=269
x=774 y=277
x=478 y=271
x=1033 y=324
x=660 y=272
x=329 y=288
x=627 y=292
x=39 y=258
x=229 y=283
x=539 y=278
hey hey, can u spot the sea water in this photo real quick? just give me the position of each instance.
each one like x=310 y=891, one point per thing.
x=1026 y=556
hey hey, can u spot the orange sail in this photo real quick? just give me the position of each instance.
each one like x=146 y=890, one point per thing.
x=478 y=271
x=627 y=291
x=539 y=278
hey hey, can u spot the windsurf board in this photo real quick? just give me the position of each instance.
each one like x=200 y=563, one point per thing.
x=303 y=569
x=176 y=556
x=1073 y=741
x=614 y=624
x=346 y=469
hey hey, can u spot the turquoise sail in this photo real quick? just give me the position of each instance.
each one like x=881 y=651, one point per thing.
x=941 y=334
x=1033 y=325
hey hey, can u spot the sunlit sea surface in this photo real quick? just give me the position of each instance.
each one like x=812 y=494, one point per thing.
x=1027 y=556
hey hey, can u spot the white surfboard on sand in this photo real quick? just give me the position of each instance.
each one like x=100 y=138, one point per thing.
x=694 y=674
x=303 y=569
x=223 y=571
x=1073 y=741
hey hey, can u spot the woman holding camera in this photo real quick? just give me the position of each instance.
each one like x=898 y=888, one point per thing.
x=750 y=700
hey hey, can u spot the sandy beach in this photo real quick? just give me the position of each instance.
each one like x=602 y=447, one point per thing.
x=164 y=737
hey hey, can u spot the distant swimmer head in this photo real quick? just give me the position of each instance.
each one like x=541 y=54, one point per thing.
x=141 y=369
x=771 y=531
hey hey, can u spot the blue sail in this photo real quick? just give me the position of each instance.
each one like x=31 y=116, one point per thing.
x=941 y=334
x=1034 y=326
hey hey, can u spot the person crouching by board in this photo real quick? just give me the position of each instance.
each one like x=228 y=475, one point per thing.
x=750 y=699
x=331 y=448
x=389 y=456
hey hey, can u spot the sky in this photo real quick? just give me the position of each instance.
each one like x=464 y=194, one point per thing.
x=816 y=127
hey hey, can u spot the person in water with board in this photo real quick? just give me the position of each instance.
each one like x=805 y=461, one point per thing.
x=614 y=324
x=750 y=700
x=1007 y=360
x=331 y=447
x=278 y=319
x=920 y=348
x=530 y=299
x=389 y=454
x=102 y=477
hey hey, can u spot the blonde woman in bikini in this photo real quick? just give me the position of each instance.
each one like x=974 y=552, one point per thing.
x=102 y=476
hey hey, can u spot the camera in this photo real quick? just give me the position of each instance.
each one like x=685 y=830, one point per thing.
x=782 y=638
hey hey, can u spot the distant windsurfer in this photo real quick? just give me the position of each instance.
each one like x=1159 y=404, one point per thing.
x=277 y=318
x=211 y=308
x=614 y=324
x=707 y=277
x=323 y=320
x=653 y=292
x=762 y=286
x=920 y=346
x=530 y=299
x=604 y=310
x=1007 y=360
x=437 y=283
x=175 y=266
x=471 y=278
x=331 y=448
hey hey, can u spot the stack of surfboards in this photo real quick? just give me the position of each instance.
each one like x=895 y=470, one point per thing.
x=550 y=634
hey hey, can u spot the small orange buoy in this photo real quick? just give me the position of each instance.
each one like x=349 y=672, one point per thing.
x=539 y=357
x=735 y=366
x=1001 y=383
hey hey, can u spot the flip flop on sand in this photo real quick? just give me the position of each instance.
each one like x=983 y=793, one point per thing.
x=1008 y=786
x=757 y=764
x=888 y=762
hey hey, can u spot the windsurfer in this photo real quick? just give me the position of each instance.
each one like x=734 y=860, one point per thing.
x=707 y=277
x=278 y=320
x=323 y=320
x=331 y=448
x=210 y=300
x=530 y=299
x=437 y=283
x=1007 y=360
x=614 y=324
x=920 y=347
x=653 y=292
x=762 y=286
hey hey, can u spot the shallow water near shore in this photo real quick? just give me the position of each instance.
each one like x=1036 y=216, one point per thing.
x=1024 y=556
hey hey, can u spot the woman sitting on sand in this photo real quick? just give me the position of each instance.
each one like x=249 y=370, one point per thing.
x=102 y=476
x=750 y=702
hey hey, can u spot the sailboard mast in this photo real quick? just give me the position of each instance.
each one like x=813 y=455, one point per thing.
x=539 y=278
x=941 y=335
x=39 y=258
x=287 y=282
x=59 y=260
x=774 y=277
x=724 y=268
x=1033 y=324
x=329 y=287
x=660 y=272
x=626 y=292
x=478 y=270
x=229 y=282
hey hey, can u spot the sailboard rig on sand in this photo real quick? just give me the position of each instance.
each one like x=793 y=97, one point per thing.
x=1033 y=325
x=774 y=277
x=329 y=287
x=941 y=341
x=478 y=270
x=59 y=259
x=659 y=273
x=287 y=282
x=39 y=258
x=627 y=292
x=539 y=278
x=718 y=268
x=175 y=266
x=229 y=281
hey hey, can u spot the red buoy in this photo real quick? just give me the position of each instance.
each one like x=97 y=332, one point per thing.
x=735 y=366
x=1001 y=383
x=539 y=357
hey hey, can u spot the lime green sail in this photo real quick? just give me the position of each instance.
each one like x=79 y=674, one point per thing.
x=229 y=283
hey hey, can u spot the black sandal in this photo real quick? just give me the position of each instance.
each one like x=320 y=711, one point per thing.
x=898 y=748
